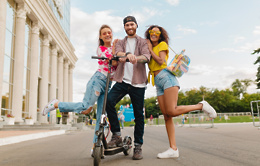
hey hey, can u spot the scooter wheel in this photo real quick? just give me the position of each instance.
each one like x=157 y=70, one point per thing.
x=97 y=155
x=128 y=144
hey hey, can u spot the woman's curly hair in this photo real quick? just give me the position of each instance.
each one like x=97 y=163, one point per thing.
x=163 y=36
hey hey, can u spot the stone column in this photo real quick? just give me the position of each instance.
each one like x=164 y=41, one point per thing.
x=66 y=81
x=65 y=89
x=70 y=91
x=43 y=91
x=71 y=83
x=60 y=77
x=19 y=45
x=34 y=71
x=53 y=85
x=60 y=84
x=3 y=4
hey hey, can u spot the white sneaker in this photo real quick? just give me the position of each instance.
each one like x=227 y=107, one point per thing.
x=208 y=109
x=49 y=107
x=170 y=153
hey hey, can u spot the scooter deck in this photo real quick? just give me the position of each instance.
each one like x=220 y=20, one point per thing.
x=113 y=151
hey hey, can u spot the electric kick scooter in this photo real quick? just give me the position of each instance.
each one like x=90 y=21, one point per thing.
x=101 y=144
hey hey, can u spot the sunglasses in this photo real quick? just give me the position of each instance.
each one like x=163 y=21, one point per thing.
x=105 y=33
x=157 y=33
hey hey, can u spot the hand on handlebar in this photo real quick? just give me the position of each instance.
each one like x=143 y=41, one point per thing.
x=114 y=58
x=132 y=58
x=122 y=59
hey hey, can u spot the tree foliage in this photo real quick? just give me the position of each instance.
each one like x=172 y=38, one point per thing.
x=151 y=107
x=240 y=86
x=227 y=100
x=256 y=51
x=258 y=69
x=126 y=100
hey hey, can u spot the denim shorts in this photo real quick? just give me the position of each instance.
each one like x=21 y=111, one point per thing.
x=164 y=80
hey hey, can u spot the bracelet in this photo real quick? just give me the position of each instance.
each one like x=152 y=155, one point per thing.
x=127 y=53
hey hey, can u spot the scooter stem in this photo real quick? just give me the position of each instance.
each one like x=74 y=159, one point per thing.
x=107 y=85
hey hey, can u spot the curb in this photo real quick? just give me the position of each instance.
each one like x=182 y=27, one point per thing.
x=21 y=138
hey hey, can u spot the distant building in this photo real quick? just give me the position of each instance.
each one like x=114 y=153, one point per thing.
x=36 y=57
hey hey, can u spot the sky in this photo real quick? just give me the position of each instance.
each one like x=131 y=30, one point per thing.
x=218 y=36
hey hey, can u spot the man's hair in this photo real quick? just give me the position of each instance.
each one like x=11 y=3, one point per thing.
x=130 y=19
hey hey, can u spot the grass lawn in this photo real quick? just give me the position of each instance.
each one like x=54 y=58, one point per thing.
x=236 y=119
x=231 y=119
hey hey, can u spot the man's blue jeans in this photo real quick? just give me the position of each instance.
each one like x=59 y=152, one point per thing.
x=118 y=91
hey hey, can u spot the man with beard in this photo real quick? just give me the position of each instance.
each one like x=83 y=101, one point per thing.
x=131 y=79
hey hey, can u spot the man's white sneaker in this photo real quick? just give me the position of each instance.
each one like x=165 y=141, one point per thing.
x=170 y=153
x=208 y=109
x=49 y=107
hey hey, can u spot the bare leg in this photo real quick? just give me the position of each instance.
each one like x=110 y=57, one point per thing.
x=169 y=108
x=168 y=123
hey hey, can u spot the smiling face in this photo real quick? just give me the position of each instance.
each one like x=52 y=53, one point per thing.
x=155 y=35
x=106 y=35
x=130 y=28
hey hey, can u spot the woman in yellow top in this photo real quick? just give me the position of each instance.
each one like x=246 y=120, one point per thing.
x=167 y=86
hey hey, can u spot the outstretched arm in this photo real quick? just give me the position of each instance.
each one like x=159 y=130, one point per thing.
x=142 y=59
x=132 y=58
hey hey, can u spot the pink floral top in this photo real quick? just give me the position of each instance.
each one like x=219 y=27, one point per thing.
x=103 y=51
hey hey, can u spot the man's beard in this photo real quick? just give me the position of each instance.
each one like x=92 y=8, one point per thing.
x=131 y=33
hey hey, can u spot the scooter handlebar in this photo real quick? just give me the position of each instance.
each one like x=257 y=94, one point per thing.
x=116 y=58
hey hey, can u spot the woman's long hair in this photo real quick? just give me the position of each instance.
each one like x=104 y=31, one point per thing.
x=100 y=41
x=163 y=36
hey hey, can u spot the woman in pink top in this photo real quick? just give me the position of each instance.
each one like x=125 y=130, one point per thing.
x=95 y=89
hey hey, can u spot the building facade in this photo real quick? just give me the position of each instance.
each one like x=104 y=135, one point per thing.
x=36 y=57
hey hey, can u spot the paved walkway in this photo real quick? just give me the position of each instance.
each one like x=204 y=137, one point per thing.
x=224 y=145
x=10 y=137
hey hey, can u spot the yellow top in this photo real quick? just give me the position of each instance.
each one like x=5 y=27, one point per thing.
x=153 y=65
x=58 y=114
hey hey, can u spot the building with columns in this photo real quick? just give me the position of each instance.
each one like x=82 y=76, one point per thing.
x=36 y=57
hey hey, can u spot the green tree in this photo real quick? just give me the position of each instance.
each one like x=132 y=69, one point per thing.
x=237 y=87
x=151 y=107
x=194 y=96
x=181 y=98
x=258 y=69
x=126 y=100
x=256 y=51
x=240 y=86
x=220 y=100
